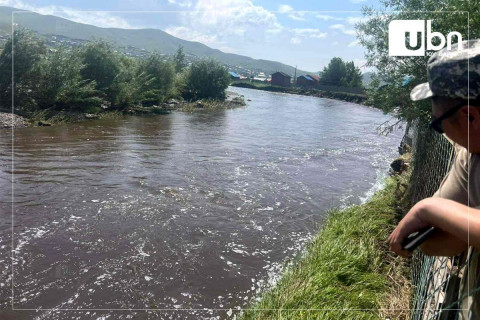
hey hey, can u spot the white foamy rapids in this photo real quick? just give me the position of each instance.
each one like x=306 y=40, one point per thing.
x=377 y=186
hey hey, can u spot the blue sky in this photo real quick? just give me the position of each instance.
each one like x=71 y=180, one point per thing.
x=303 y=33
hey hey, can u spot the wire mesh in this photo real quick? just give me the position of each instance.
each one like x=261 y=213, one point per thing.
x=436 y=280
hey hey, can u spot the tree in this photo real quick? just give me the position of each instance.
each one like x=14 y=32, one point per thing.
x=353 y=77
x=388 y=90
x=60 y=84
x=341 y=73
x=335 y=73
x=163 y=74
x=207 y=79
x=132 y=85
x=179 y=60
x=27 y=51
x=102 y=66
x=180 y=84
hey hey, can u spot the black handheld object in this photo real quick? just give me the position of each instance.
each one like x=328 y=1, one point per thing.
x=415 y=239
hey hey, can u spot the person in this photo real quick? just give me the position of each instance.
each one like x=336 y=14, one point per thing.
x=454 y=210
x=454 y=89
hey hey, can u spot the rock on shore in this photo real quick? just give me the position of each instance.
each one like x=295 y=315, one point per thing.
x=8 y=120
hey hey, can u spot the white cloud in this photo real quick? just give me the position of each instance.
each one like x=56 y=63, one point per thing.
x=191 y=35
x=216 y=22
x=221 y=24
x=296 y=16
x=341 y=27
x=309 y=33
x=354 y=43
x=355 y=20
x=326 y=17
x=285 y=8
x=350 y=32
x=183 y=4
x=97 y=18
x=292 y=14
x=337 y=26
x=335 y=43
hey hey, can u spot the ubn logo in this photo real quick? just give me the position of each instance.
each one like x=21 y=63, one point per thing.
x=407 y=38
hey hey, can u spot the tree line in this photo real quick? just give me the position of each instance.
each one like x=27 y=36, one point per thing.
x=93 y=76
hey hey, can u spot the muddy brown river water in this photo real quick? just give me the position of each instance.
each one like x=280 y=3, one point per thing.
x=194 y=213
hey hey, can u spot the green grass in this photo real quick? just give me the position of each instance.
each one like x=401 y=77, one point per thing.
x=347 y=266
x=110 y=115
x=53 y=117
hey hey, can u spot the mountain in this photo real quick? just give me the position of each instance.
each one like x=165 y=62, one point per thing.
x=148 y=39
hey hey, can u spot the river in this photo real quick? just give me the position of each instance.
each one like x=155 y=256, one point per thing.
x=187 y=212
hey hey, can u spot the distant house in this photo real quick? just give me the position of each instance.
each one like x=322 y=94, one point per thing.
x=233 y=75
x=281 y=79
x=308 y=80
x=304 y=81
x=315 y=78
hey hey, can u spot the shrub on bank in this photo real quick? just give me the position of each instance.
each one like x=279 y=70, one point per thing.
x=97 y=77
x=206 y=79
x=162 y=75
x=29 y=50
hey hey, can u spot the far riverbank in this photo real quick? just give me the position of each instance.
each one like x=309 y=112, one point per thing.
x=343 y=96
x=51 y=117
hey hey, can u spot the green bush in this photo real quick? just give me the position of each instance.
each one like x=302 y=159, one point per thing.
x=206 y=79
x=102 y=66
x=163 y=74
x=28 y=51
x=132 y=85
x=60 y=84
x=341 y=73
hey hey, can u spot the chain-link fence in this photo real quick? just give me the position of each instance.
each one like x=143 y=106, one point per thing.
x=436 y=280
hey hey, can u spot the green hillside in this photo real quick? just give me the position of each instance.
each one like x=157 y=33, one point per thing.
x=148 y=39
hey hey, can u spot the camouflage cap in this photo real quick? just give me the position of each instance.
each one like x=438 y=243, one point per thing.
x=452 y=73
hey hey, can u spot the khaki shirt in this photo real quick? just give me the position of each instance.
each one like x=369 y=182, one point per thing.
x=462 y=184
x=456 y=185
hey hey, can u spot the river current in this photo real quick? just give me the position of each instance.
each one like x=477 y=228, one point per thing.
x=195 y=213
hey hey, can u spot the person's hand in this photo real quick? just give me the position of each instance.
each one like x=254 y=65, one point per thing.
x=410 y=223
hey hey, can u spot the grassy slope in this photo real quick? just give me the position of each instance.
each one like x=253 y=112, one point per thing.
x=346 y=267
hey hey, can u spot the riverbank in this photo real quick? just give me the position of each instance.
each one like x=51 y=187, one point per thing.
x=49 y=117
x=343 y=96
x=348 y=266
